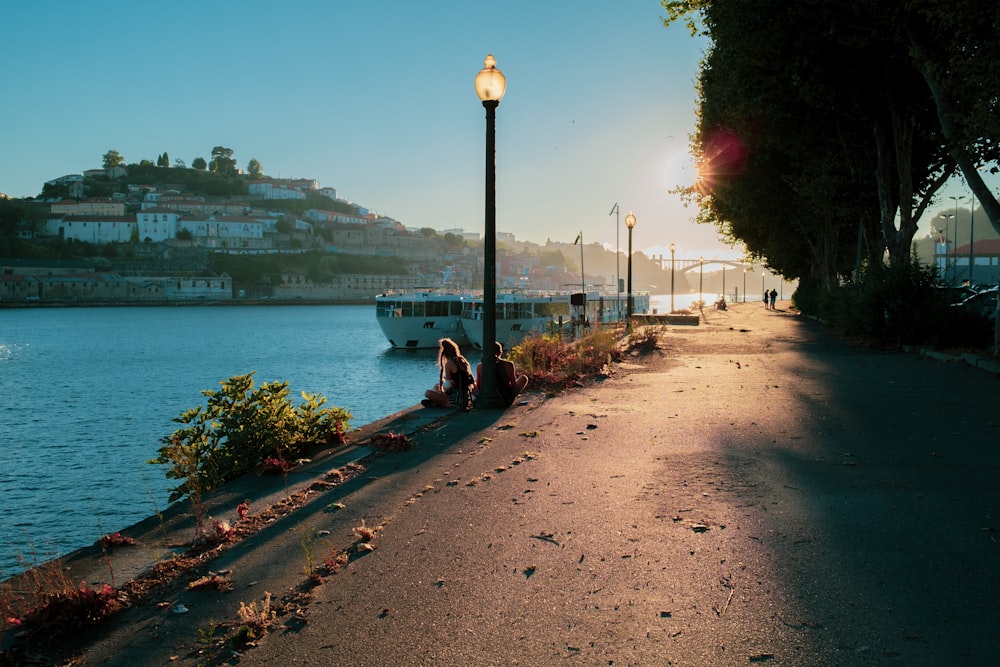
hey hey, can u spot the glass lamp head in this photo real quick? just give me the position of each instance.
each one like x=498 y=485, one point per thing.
x=630 y=220
x=490 y=82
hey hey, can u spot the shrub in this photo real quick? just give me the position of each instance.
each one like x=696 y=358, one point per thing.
x=552 y=363
x=240 y=428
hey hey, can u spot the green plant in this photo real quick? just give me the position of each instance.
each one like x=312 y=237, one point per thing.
x=308 y=543
x=241 y=427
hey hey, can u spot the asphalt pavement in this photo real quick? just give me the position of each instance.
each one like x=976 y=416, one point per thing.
x=755 y=491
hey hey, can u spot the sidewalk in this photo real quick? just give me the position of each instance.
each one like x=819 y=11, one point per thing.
x=758 y=491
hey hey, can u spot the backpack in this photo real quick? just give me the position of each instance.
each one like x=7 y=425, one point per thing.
x=465 y=382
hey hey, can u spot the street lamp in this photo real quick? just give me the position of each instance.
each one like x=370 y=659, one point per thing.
x=630 y=223
x=672 y=249
x=701 y=269
x=972 y=237
x=618 y=261
x=744 y=283
x=954 y=252
x=947 y=232
x=490 y=87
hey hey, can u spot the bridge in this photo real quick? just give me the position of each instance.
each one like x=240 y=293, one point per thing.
x=685 y=265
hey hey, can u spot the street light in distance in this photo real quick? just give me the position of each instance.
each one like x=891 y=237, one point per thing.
x=630 y=223
x=672 y=249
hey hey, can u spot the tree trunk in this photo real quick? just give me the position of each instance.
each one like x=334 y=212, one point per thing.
x=964 y=161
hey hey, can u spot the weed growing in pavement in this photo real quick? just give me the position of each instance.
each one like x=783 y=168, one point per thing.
x=643 y=340
x=308 y=543
x=255 y=622
x=207 y=642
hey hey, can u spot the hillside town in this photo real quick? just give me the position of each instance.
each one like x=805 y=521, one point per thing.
x=151 y=242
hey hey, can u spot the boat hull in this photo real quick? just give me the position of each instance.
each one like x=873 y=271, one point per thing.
x=420 y=320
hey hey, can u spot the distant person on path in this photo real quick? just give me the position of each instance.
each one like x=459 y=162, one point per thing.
x=774 y=296
x=455 y=381
x=509 y=383
x=766 y=299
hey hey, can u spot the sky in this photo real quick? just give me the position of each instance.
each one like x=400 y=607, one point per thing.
x=376 y=99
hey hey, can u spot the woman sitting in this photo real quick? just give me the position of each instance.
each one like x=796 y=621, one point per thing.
x=455 y=381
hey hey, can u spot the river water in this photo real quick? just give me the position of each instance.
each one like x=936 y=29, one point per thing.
x=86 y=394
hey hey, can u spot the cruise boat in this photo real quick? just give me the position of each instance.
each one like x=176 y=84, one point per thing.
x=524 y=313
x=417 y=319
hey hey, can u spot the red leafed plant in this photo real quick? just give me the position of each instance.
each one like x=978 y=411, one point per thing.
x=115 y=540
x=337 y=437
x=275 y=465
x=68 y=611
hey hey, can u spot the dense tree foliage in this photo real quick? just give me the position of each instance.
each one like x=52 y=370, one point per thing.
x=113 y=159
x=222 y=161
x=825 y=127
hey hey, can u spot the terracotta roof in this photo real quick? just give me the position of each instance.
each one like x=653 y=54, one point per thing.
x=983 y=247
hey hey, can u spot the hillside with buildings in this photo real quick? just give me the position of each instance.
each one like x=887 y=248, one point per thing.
x=160 y=234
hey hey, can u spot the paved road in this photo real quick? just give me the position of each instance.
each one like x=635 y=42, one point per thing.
x=756 y=492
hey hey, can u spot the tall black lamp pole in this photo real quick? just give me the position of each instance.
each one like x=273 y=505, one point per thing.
x=630 y=223
x=672 y=249
x=490 y=87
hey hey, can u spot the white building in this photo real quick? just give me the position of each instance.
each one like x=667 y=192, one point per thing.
x=157 y=224
x=91 y=228
x=224 y=232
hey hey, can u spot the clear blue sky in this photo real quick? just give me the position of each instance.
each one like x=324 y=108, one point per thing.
x=375 y=99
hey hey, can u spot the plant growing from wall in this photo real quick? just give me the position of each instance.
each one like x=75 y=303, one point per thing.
x=239 y=428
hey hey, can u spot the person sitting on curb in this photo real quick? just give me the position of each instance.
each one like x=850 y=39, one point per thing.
x=454 y=386
x=509 y=383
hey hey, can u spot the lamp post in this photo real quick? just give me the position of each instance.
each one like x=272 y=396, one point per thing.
x=972 y=234
x=490 y=87
x=744 y=283
x=954 y=252
x=947 y=232
x=701 y=269
x=672 y=249
x=630 y=223
x=618 y=262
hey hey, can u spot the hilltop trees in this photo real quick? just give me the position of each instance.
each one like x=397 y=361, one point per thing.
x=222 y=161
x=113 y=159
x=254 y=168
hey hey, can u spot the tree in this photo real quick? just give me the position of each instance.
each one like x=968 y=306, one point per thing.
x=199 y=164
x=163 y=160
x=113 y=159
x=180 y=164
x=222 y=161
x=254 y=168
x=793 y=124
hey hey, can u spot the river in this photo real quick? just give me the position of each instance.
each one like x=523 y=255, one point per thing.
x=86 y=394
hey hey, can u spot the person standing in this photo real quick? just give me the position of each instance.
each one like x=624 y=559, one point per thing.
x=774 y=296
x=766 y=299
